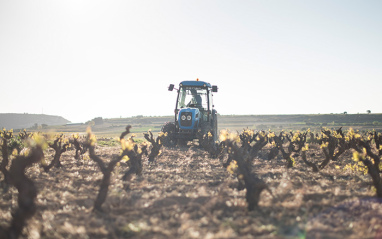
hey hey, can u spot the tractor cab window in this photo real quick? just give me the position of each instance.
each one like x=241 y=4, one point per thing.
x=193 y=97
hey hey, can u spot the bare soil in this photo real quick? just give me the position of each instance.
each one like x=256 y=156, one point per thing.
x=187 y=194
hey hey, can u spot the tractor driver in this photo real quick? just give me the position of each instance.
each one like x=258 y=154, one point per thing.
x=196 y=99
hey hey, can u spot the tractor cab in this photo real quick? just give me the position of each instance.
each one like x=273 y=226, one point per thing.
x=194 y=111
x=196 y=97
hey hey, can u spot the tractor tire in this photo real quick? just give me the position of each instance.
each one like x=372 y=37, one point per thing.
x=170 y=129
x=215 y=125
x=182 y=142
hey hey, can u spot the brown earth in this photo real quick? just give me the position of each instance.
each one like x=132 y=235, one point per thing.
x=187 y=194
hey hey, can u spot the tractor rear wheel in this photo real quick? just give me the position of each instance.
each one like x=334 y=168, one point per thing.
x=215 y=125
x=170 y=129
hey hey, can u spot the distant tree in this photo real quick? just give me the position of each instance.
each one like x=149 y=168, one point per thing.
x=98 y=121
x=368 y=111
x=345 y=113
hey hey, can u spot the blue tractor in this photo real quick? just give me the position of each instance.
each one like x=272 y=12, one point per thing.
x=195 y=115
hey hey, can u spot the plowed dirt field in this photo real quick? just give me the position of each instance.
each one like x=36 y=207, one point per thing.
x=187 y=194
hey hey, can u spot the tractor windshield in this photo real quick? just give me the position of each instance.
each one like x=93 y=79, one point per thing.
x=193 y=97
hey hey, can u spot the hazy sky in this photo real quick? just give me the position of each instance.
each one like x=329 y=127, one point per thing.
x=84 y=59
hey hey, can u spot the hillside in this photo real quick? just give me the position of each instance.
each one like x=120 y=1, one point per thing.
x=308 y=118
x=249 y=120
x=359 y=121
x=141 y=124
x=23 y=121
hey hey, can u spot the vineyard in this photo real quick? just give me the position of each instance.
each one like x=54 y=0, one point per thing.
x=262 y=184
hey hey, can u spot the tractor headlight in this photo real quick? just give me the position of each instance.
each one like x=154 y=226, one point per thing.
x=189 y=117
x=183 y=117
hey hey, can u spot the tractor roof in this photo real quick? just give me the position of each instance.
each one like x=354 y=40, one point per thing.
x=195 y=83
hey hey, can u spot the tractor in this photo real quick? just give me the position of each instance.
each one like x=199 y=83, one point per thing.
x=195 y=115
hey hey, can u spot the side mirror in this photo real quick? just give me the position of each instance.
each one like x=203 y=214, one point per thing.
x=171 y=87
x=214 y=88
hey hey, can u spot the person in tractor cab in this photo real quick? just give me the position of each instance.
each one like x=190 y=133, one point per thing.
x=196 y=100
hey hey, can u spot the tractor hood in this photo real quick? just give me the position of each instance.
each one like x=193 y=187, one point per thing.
x=188 y=118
